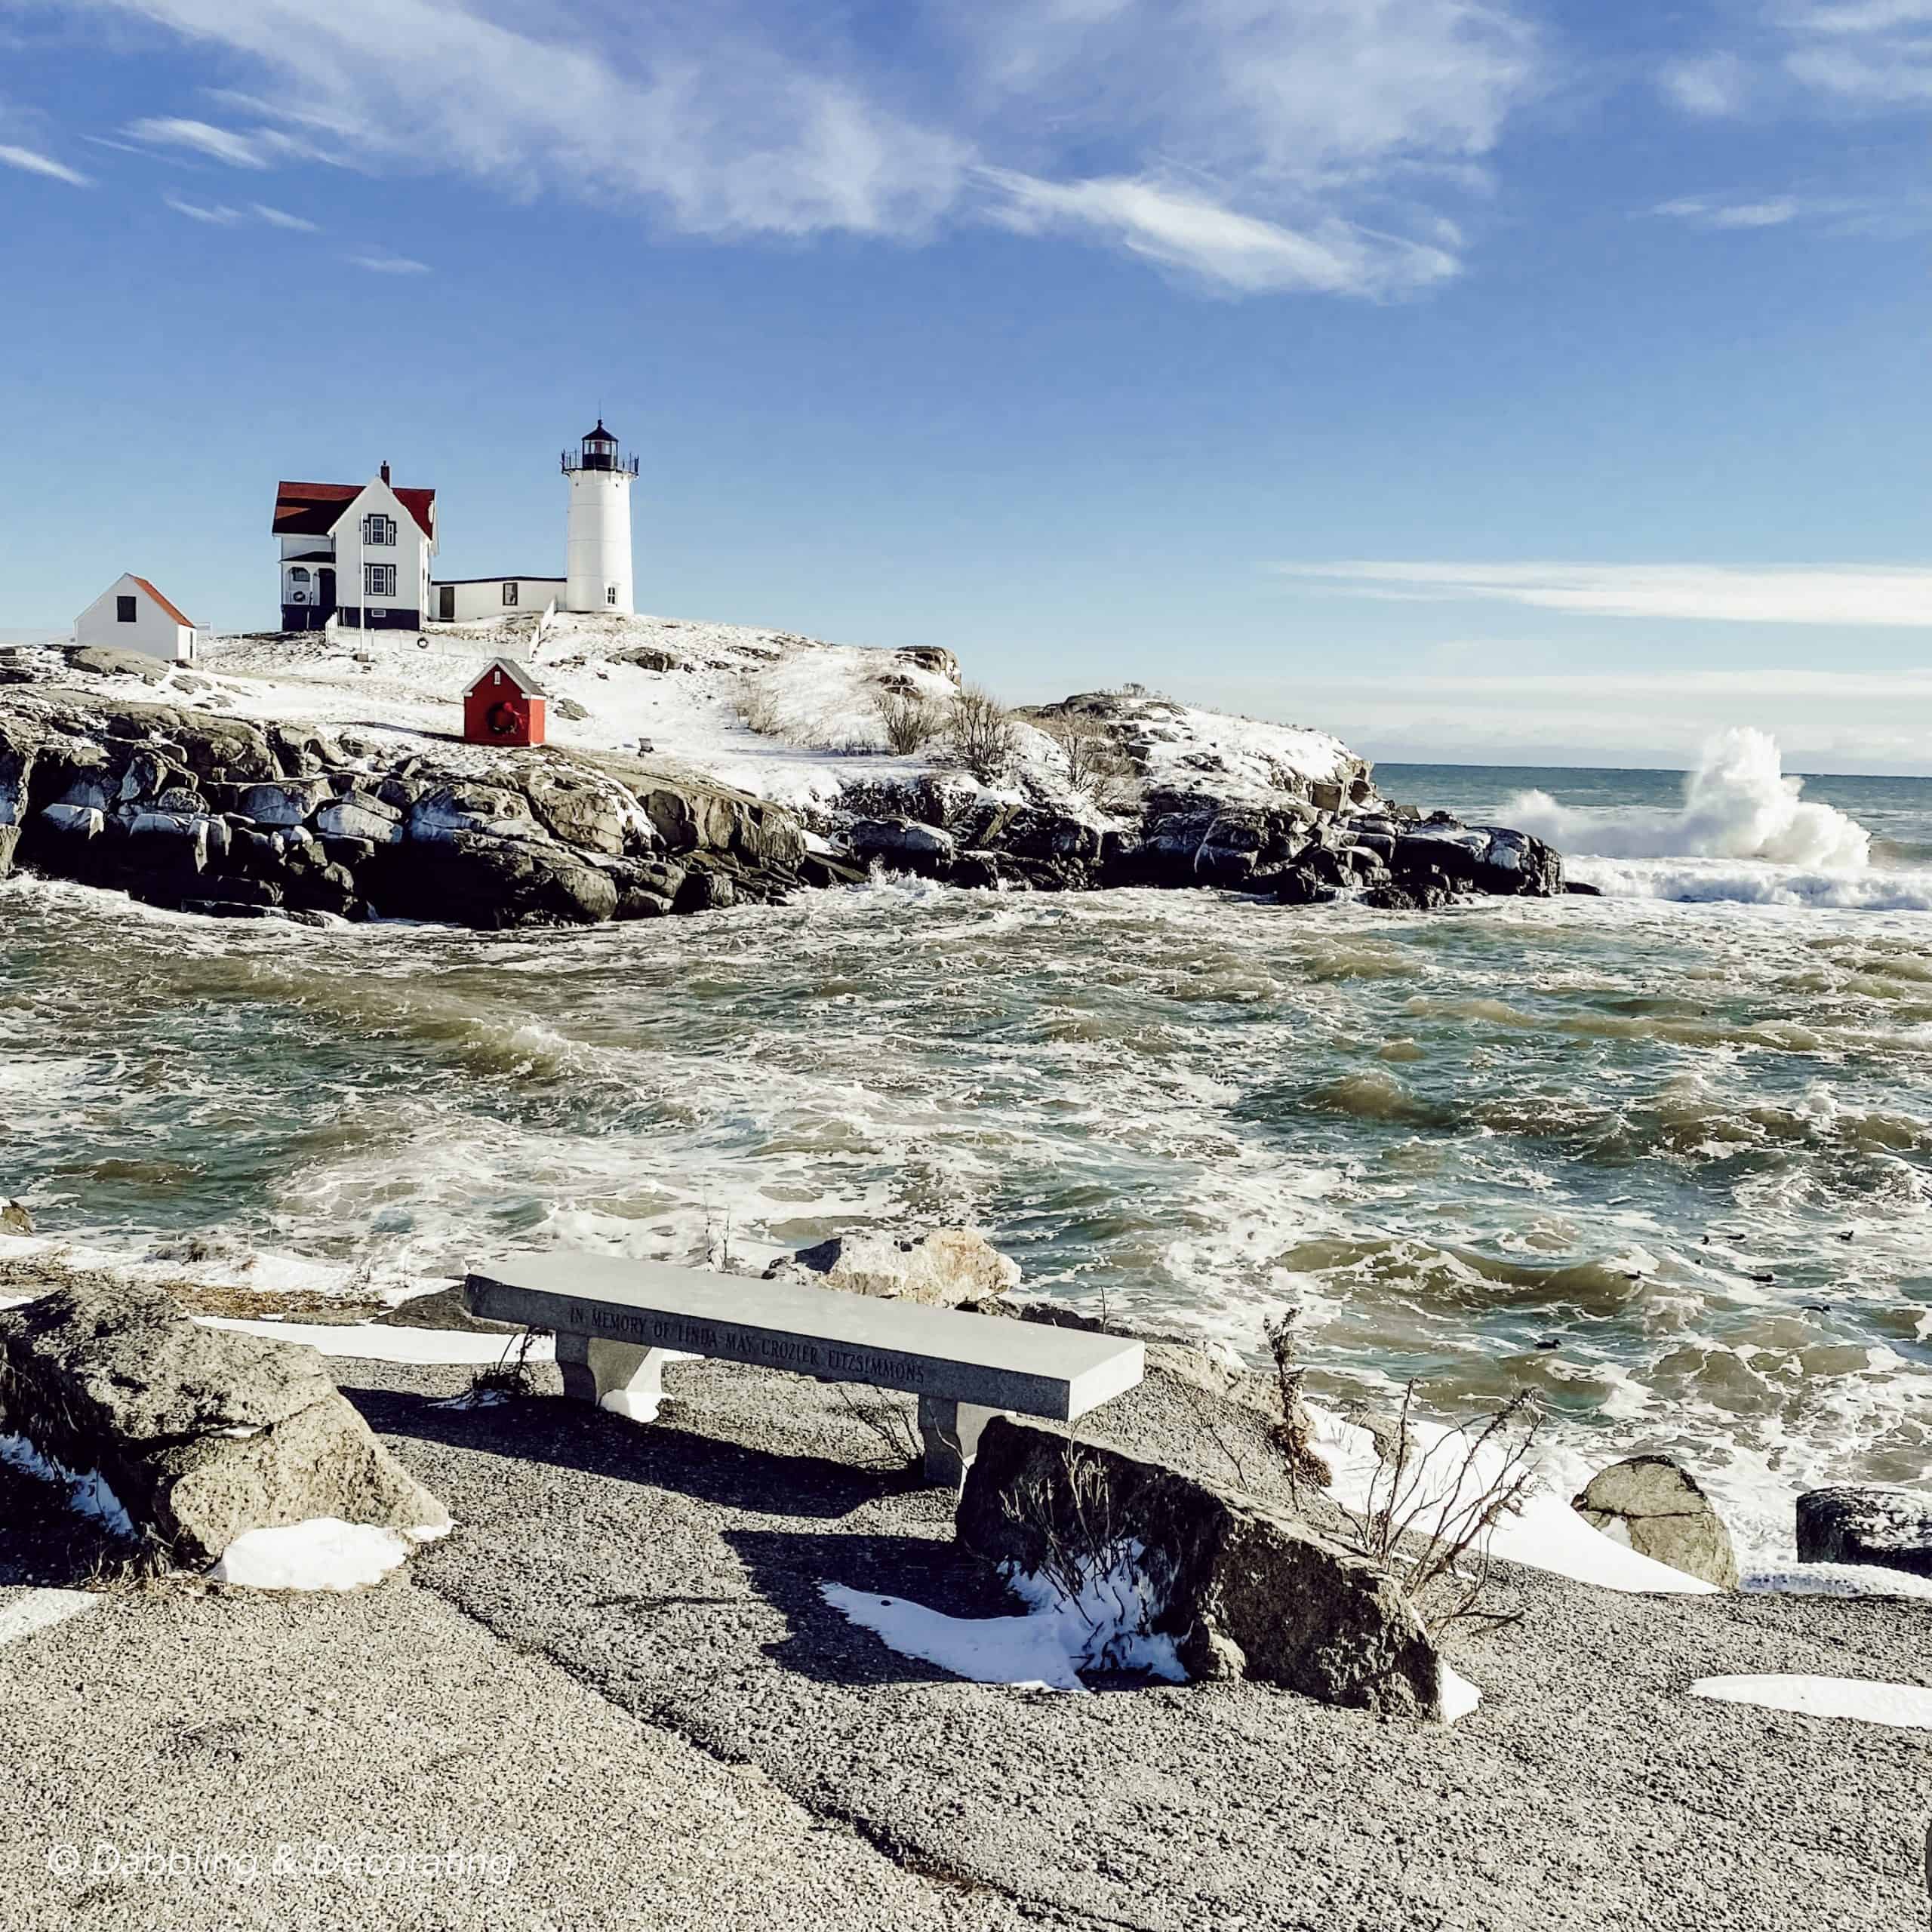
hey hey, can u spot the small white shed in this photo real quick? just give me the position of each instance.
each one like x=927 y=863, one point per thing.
x=131 y=615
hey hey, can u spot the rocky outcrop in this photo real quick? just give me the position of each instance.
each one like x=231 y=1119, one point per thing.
x=202 y=1434
x=1891 y=1528
x=1655 y=1506
x=943 y=1267
x=219 y=815
x=1242 y=1591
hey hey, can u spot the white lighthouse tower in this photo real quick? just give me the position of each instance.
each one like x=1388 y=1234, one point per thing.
x=599 y=560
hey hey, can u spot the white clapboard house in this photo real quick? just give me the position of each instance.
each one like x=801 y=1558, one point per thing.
x=131 y=615
x=357 y=553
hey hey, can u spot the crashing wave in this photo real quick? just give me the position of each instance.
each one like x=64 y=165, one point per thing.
x=1737 y=804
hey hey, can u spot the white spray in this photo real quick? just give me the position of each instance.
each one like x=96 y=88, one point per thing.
x=1737 y=804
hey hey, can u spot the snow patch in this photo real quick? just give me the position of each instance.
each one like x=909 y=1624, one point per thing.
x=1103 y=1627
x=1904 y=1706
x=324 y=1553
x=1547 y=1534
x=1459 y=1696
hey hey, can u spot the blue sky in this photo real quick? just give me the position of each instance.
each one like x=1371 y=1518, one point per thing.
x=1480 y=378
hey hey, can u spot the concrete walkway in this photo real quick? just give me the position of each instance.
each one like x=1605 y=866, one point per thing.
x=620 y=1669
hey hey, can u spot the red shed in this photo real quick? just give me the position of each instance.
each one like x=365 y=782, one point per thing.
x=504 y=706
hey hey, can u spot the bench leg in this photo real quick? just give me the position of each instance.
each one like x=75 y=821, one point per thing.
x=950 y=1433
x=617 y=1375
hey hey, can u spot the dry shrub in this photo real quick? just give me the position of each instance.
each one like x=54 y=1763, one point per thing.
x=982 y=736
x=1431 y=1512
x=1095 y=767
x=910 y=721
x=758 y=710
x=1087 y=1557
x=1293 y=1434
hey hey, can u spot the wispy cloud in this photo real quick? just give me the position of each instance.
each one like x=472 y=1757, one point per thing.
x=219 y=215
x=1715 y=593
x=218 y=143
x=1254 y=147
x=31 y=161
x=281 y=218
x=1200 y=237
x=389 y=264
x=1845 y=56
x=1773 y=213
x=1709 y=86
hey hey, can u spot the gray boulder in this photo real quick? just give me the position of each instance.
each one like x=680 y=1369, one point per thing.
x=202 y=1434
x=1656 y=1508
x=475 y=880
x=1241 y=1590
x=577 y=809
x=358 y=814
x=102 y=662
x=942 y=1268
x=902 y=842
x=1891 y=1528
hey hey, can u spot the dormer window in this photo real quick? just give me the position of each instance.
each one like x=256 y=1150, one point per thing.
x=379 y=529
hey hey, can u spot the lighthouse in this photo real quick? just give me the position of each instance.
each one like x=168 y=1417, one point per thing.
x=599 y=560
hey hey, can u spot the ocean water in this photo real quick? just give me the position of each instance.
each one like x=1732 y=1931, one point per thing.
x=1664 y=1156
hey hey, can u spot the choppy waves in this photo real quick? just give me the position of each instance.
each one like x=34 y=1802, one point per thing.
x=1671 y=1166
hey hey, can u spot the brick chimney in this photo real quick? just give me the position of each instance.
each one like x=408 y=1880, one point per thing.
x=385 y=472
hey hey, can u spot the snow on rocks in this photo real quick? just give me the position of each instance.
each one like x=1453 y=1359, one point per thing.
x=199 y=1435
x=1238 y=1589
x=1886 y=1528
x=293 y=777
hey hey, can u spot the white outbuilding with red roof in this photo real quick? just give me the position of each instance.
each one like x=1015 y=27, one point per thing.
x=131 y=615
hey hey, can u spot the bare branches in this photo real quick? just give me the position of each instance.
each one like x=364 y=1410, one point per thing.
x=1095 y=767
x=982 y=737
x=1432 y=1507
x=909 y=722
x=1294 y=1434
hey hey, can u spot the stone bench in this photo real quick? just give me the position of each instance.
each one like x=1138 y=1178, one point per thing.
x=618 y=1322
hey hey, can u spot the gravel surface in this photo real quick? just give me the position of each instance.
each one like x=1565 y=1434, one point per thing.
x=619 y=1667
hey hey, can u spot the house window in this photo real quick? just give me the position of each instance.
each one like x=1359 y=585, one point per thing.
x=610 y=593
x=379 y=529
x=509 y=593
x=379 y=580
x=123 y=610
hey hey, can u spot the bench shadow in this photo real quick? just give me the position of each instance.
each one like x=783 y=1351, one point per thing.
x=563 y=1434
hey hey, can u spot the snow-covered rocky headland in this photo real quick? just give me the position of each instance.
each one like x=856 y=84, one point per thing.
x=689 y=766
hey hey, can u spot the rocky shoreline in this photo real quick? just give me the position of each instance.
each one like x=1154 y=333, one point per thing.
x=202 y=811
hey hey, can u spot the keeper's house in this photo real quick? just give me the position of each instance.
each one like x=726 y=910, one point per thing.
x=357 y=552
x=131 y=615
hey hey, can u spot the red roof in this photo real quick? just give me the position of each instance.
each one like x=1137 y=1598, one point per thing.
x=518 y=674
x=312 y=509
x=163 y=602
